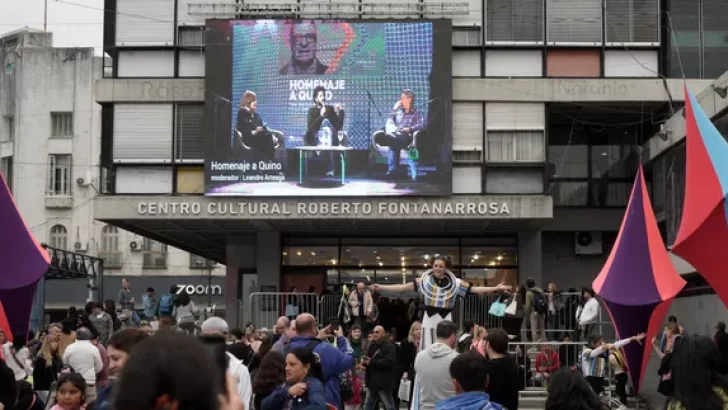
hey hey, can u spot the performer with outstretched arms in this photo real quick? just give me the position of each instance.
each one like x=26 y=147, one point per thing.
x=440 y=289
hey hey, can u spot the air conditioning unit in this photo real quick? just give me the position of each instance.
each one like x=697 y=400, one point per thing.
x=86 y=180
x=79 y=247
x=588 y=243
x=135 y=246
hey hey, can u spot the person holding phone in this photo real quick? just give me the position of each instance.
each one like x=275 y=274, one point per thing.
x=304 y=388
x=335 y=360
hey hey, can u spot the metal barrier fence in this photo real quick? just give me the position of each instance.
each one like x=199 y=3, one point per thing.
x=475 y=308
x=266 y=307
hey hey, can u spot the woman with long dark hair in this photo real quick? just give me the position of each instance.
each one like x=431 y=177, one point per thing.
x=698 y=384
x=271 y=374
x=184 y=311
x=513 y=323
x=569 y=390
x=257 y=359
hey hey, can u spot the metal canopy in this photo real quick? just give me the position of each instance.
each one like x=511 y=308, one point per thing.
x=331 y=9
x=208 y=238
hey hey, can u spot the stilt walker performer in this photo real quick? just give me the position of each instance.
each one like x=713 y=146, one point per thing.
x=440 y=290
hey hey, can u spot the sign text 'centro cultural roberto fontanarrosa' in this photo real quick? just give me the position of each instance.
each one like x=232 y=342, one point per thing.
x=323 y=209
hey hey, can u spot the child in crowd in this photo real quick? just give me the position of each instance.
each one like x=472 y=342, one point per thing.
x=70 y=392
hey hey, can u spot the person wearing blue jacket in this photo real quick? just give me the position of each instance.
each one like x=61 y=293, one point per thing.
x=334 y=360
x=469 y=372
x=303 y=389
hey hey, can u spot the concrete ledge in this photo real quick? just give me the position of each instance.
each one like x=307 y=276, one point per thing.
x=150 y=90
x=674 y=128
x=464 y=89
x=115 y=208
x=52 y=202
x=571 y=90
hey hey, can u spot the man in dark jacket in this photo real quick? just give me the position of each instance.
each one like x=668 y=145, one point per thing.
x=240 y=348
x=380 y=361
x=503 y=370
x=323 y=123
x=721 y=341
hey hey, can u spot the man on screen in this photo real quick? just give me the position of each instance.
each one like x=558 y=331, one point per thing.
x=399 y=129
x=323 y=123
x=303 y=40
x=252 y=134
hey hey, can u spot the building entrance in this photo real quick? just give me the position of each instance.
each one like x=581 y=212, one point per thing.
x=327 y=264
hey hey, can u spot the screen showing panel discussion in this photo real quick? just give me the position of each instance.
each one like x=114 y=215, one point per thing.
x=328 y=108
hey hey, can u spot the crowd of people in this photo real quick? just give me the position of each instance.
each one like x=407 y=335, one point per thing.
x=162 y=358
x=300 y=364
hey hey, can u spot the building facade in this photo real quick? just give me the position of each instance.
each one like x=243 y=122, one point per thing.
x=551 y=101
x=49 y=156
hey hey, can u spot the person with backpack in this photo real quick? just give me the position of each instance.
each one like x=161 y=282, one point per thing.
x=335 y=361
x=166 y=303
x=535 y=310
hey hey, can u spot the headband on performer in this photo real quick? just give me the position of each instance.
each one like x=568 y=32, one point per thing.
x=446 y=259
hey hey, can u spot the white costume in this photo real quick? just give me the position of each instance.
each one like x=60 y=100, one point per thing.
x=440 y=296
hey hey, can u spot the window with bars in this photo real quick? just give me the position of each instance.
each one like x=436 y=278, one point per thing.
x=59 y=237
x=59 y=175
x=515 y=146
x=110 y=251
x=6 y=169
x=191 y=36
x=155 y=254
x=189 y=141
x=514 y=21
x=62 y=124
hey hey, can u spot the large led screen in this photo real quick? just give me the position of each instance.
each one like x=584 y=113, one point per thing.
x=328 y=108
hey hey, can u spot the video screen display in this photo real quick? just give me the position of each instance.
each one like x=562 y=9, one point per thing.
x=328 y=108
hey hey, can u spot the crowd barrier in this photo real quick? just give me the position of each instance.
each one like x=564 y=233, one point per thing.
x=264 y=308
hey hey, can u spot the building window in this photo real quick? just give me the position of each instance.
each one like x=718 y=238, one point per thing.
x=61 y=124
x=191 y=36
x=59 y=175
x=198 y=262
x=591 y=166
x=59 y=237
x=573 y=63
x=466 y=37
x=8 y=133
x=515 y=146
x=155 y=254
x=6 y=169
x=696 y=38
x=189 y=142
x=109 y=251
x=514 y=21
x=574 y=22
